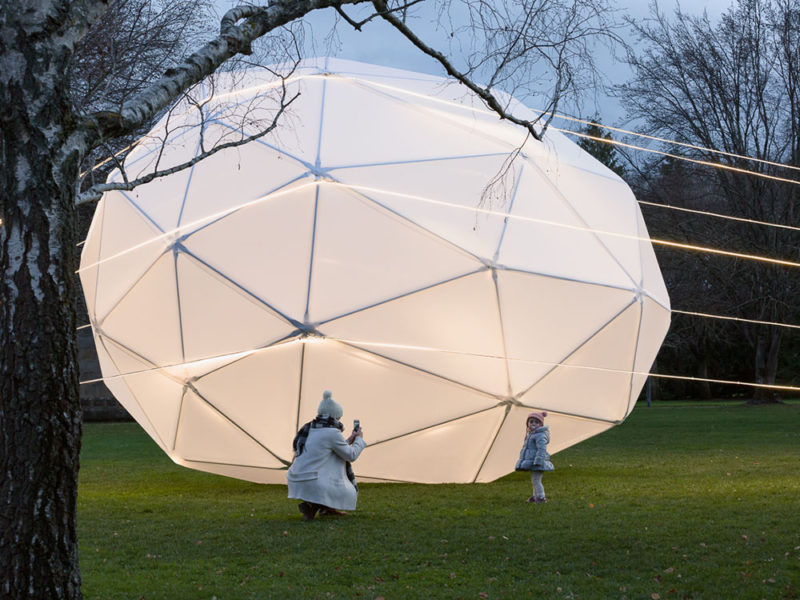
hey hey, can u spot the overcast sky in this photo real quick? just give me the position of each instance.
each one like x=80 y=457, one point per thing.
x=379 y=44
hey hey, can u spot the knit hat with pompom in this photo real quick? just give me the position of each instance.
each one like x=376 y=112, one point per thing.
x=329 y=406
x=539 y=416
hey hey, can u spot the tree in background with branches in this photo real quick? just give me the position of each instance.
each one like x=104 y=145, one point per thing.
x=734 y=86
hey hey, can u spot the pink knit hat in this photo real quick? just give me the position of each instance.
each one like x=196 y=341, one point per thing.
x=539 y=416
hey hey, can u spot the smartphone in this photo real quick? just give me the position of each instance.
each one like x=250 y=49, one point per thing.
x=356 y=425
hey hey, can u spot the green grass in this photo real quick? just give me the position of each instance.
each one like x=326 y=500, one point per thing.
x=680 y=501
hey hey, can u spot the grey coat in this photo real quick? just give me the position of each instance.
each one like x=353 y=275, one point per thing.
x=534 y=455
x=318 y=475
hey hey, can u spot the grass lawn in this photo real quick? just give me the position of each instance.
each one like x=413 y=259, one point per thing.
x=681 y=501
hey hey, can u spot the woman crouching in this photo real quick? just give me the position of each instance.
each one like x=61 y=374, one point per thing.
x=321 y=475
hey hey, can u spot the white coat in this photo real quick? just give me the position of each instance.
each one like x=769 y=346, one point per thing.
x=318 y=475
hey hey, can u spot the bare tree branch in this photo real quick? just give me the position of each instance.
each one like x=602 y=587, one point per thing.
x=236 y=38
x=488 y=98
x=96 y=191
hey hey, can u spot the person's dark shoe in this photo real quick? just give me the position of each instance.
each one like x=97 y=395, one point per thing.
x=309 y=510
x=540 y=500
x=531 y=499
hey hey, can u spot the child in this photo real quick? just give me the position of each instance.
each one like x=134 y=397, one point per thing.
x=534 y=456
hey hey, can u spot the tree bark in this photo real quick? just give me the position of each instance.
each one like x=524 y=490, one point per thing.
x=40 y=421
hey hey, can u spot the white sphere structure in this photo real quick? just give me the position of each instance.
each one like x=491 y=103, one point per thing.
x=354 y=248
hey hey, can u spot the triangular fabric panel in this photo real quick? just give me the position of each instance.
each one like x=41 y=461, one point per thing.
x=450 y=106
x=147 y=318
x=163 y=198
x=654 y=327
x=449 y=452
x=260 y=393
x=274 y=475
x=363 y=254
x=545 y=235
x=219 y=319
x=265 y=248
x=158 y=395
x=205 y=435
x=600 y=369
x=129 y=245
x=456 y=318
x=211 y=195
x=298 y=128
x=89 y=256
x=198 y=368
x=545 y=319
x=122 y=392
x=606 y=205
x=372 y=389
x=404 y=123
x=445 y=196
x=652 y=281
x=564 y=432
x=482 y=373
x=163 y=148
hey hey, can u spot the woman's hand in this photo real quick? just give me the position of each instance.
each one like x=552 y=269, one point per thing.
x=354 y=435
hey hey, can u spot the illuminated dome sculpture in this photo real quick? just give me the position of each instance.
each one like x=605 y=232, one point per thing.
x=356 y=248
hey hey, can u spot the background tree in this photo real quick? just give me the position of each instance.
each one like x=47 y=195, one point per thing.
x=733 y=86
x=604 y=151
x=49 y=128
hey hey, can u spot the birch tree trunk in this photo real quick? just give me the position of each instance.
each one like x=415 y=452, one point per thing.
x=40 y=422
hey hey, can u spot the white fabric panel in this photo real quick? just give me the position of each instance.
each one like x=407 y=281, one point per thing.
x=205 y=435
x=160 y=399
x=364 y=254
x=90 y=255
x=653 y=329
x=558 y=149
x=162 y=198
x=449 y=453
x=129 y=245
x=386 y=118
x=440 y=196
x=212 y=195
x=546 y=319
x=564 y=432
x=254 y=474
x=652 y=281
x=125 y=361
x=607 y=206
x=219 y=319
x=154 y=152
x=297 y=134
x=122 y=392
x=265 y=248
x=460 y=316
x=483 y=373
x=157 y=396
x=454 y=106
x=198 y=368
x=260 y=393
x=547 y=236
x=600 y=391
x=146 y=320
x=389 y=399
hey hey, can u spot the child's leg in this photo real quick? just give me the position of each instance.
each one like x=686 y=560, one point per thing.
x=536 y=480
